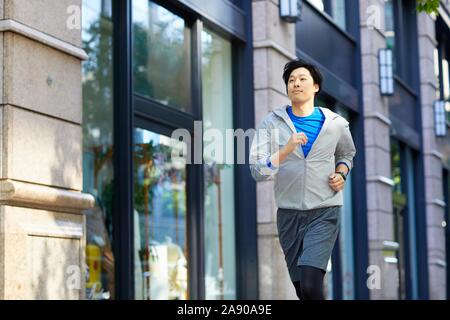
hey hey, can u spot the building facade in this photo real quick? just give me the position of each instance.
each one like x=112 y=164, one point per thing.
x=382 y=252
x=392 y=243
x=122 y=170
x=176 y=228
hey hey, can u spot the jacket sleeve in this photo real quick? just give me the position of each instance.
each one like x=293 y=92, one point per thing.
x=261 y=149
x=345 y=148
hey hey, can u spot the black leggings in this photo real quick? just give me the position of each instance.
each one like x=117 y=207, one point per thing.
x=310 y=286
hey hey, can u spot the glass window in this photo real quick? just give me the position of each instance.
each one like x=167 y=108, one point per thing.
x=390 y=29
x=403 y=164
x=160 y=239
x=442 y=64
x=445 y=80
x=346 y=234
x=437 y=73
x=98 y=148
x=399 y=207
x=446 y=86
x=335 y=9
x=338 y=13
x=220 y=251
x=161 y=55
x=319 y=4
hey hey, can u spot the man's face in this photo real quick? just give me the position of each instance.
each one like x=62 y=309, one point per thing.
x=301 y=85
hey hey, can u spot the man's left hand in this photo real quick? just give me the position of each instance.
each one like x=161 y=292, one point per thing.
x=336 y=182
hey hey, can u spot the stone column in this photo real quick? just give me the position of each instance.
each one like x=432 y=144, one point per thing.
x=432 y=159
x=42 y=228
x=274 y=46
x=377 y=148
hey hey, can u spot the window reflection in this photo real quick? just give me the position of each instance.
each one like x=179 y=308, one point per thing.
x=98 y=146
x=389 y=23
x=399 y=205
x=161 y=55
x=220 y=251
x=160 y=219
x=436 y=63
x=335 y=9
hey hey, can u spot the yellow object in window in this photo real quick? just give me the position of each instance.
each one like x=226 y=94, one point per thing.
x=94 y=260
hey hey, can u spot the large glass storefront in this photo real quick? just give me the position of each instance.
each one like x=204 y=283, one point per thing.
x=171 y=257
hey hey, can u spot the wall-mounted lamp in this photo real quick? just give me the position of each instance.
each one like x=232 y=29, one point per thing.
x=386 y=72
x=440 y=118
x=291 y=10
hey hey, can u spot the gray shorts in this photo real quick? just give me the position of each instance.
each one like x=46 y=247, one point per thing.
x=308 y=237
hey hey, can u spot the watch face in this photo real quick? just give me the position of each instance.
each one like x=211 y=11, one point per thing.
x=343 y=175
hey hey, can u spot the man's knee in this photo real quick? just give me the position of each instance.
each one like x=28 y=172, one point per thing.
x=312 y=283
x=312 y=291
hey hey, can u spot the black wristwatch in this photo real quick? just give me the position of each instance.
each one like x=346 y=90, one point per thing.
x=343 y=175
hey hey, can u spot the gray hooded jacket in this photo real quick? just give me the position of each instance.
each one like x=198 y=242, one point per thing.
x=302 y=183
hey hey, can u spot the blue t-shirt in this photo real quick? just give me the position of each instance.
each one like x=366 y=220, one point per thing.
x=310 y=125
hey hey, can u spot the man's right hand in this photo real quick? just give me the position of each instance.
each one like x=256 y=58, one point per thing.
x=291 y=145
x=295 y=140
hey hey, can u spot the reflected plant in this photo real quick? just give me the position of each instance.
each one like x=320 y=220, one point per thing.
x=149 y=160
x=97 y=129
x=159 y=62
x=428 y=6
x=97 y=84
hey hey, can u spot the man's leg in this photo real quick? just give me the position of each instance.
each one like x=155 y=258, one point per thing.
x=298 y=290
x=311 y=279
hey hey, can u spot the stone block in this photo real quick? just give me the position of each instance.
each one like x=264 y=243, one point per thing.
x=261 y=68
x=48 y=16
x=379 y=196
x=377 y=162
x=265 y=202
x=36 y=149
x=43 y=254
x=370 y=72
x=283 y=33
x=40 y=78
x=259 y=15
x=377 y=134
x=371 y=41
x=437 y=282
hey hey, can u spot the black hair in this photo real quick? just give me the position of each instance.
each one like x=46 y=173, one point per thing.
x=298 y=63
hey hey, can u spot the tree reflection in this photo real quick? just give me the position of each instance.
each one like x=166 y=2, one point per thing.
x=98 y=152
